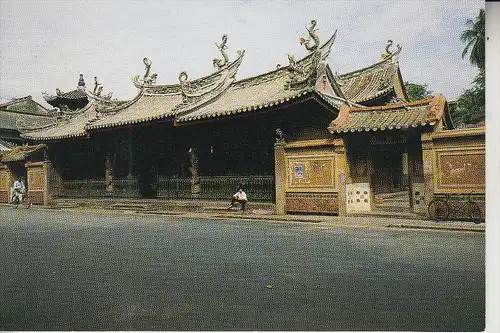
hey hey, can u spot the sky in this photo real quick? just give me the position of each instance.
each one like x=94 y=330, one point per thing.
x=45 y=45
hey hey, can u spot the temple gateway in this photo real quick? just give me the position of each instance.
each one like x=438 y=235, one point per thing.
x=301 y=136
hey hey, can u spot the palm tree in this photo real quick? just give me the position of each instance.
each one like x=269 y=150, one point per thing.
x=474 y=37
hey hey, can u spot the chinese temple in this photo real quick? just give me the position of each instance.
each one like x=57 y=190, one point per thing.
x=300 y=135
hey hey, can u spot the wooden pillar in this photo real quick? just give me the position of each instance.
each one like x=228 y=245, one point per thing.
x=130 y=151
x=428 y=165
x=108 y=176
x=195 y=179
x=342 y=173
x=280 y=176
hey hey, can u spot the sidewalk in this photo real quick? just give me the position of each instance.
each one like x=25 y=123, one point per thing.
x=204 y=209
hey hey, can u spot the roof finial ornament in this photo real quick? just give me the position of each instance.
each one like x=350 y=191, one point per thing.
x=97 y=87
x=314 y=36
x=148 y=63
x=307 y=73
x=183 y=77
x=220 y=63
x=81 y=82
x=388 y=52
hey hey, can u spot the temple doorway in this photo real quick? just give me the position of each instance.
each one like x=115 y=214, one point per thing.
x=390 y=179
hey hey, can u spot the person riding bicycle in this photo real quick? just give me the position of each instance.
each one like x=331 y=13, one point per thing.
x=19 y=190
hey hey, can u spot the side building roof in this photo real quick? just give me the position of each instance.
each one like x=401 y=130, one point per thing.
x=428 y=112
x=20 y=112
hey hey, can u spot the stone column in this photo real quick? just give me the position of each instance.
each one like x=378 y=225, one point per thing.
x=195 y=179
x=428 y=164
x=110 y=170
x=280 y=176
x=341 y=173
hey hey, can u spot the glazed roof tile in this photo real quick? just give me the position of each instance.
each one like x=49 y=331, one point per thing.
x=73 y=127
x=241 y=96
x=25 y=105
x=247 y=95
x=20 y=153
x=370 y=82
x=388 y=117
x=5 y=145
x=13 y=120
x=73 y=94
x=142 y=108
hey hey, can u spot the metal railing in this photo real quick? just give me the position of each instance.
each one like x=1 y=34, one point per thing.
x=258 y=188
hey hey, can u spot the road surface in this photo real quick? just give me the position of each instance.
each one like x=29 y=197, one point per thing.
x=78 y=270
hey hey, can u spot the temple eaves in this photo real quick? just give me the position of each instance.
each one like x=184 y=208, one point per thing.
x=220 y=94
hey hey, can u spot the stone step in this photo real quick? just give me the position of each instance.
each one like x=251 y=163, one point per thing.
x=389 y=214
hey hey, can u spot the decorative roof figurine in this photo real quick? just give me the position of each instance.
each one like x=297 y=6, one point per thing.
x=306 y=74
x=81 y=82
x=149 y=79
x=388 y=53
x=221 y=63
x=315 y=38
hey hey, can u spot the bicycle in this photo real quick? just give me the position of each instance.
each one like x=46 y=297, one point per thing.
x=26 y=201
x=439 y=209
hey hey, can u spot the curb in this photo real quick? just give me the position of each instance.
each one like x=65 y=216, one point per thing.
x=409 y=226
x=273 y=218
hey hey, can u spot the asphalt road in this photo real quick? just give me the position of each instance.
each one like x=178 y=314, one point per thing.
x=63 y=270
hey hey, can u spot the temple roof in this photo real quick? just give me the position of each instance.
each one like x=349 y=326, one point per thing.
x=20 y=153
x=141 y=109
x=25 y=105
x=391 y=116
x=70 y=126
x=220 y=95
x=20 y=111
x=73 y=94
x=373 y=81
x=5 y=146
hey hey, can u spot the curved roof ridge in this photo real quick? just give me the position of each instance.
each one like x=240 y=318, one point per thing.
x=125 y=103
x=204 y=80
x=358 y=71
x=283 y=69
x=69 y=122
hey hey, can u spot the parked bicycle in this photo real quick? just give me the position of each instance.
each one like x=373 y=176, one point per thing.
x=19 y=199
x=440 y=209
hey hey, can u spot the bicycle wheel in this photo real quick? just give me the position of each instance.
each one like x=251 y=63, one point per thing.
x=474 y=212
x=438 y=210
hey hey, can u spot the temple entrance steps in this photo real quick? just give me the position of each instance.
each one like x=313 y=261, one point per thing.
x=392 y=202
x=155 y=205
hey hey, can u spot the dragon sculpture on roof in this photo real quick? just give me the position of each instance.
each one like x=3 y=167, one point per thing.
x=305 y=72
x=388 y=53
x=221 y=63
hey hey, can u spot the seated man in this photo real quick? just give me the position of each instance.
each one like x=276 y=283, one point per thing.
x=19 y=189
x=239 y=197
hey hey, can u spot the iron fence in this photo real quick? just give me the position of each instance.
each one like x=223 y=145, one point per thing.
x=258 y=188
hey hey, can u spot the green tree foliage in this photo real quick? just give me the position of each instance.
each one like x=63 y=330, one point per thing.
x=417 y=91
x=474 y=37
x=470 y=106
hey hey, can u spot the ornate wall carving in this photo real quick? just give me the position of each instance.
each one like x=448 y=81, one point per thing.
x=311 y=172
x=312 y=202
x=459 y=170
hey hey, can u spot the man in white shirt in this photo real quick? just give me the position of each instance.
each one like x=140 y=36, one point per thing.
x=19 y=189
x=239 y=197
